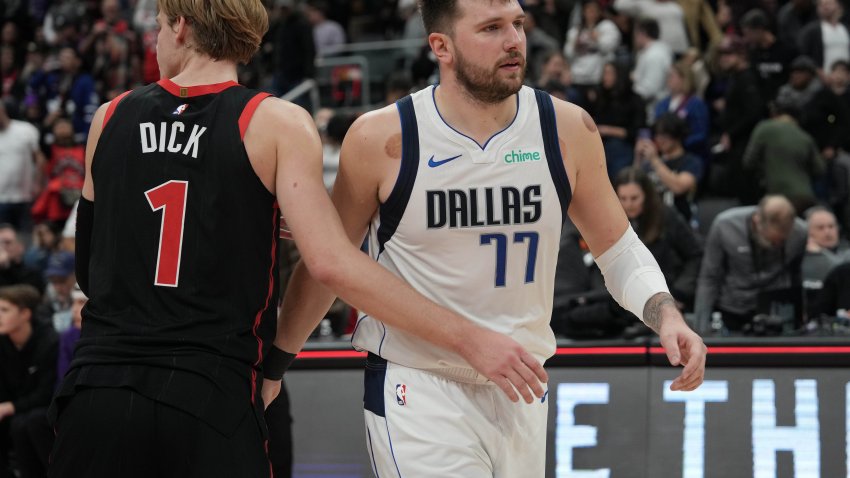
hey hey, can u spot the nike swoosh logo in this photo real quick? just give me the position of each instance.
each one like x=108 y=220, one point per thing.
x=434 y=164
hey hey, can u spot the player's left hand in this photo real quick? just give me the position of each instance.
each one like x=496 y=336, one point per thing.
x=683 y=347
x=271 y=389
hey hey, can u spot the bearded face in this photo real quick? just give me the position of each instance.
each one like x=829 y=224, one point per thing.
x=491 y=84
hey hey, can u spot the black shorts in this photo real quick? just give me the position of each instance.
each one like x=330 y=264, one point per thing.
x=116 y=432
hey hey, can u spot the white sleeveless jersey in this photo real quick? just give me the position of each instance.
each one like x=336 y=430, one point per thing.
x=474 y=228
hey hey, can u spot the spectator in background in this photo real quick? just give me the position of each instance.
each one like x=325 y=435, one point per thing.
x=538 y=44
x=793 y=16
x=694 y=61
x=590 y=45
x=57 y=299
x=20 y=157
x=834 y=295
x=332 y=135
x=700 y=21
x=670 y=239
x=824 y=249
x=653 y=63
x=111 y=50
x=826 y=40
x=10 y=36
x=740 y=109
x=64 y=173
x=674 y=171
x=11 y=84
x=12 y=268
x=668 y=14
x=68 y=339
x=28 y=352
x=770 y=58
x=144 y=22
x=619 y=114
x=750 y=250
x=827 y=115
x=556 y=78
x=328 y=35
x=397 y=87
x=45 y=242
x=684 y=103
x=784 y=158
x=71 y=94
x=62 y=24
x=294 y=48
x=803 y=84
x=553 y=16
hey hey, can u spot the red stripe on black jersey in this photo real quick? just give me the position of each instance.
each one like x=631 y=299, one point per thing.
x=248 y=113
x=112 y=105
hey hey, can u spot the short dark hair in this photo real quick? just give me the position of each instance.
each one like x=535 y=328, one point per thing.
x=438 y=15
x=649 y=27
x=755 y=19
x=840 y=64
x=671 y=125
x=816 y=209
x=23 y=296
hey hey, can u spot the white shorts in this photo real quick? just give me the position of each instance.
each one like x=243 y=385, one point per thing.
x=419 y=424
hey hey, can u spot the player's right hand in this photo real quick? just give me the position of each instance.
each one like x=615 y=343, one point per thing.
x=506 y=363
x=271 y=389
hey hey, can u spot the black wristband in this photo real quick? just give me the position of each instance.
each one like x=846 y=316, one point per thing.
x=276 y=363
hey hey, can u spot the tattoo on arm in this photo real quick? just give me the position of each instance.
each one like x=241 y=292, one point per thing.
x=654 y=306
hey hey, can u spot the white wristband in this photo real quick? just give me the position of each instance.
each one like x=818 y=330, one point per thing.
x=631 y=273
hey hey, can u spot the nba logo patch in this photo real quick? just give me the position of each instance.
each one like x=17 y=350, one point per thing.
x=180 y=109
x=401 y=394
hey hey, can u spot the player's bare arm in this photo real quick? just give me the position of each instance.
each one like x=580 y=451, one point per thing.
x=91 y=144
x=325 y=243
x=597 y=213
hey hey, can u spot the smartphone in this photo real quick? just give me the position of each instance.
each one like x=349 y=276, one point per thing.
x=644 y=133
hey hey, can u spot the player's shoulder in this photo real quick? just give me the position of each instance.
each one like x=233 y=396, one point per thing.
x=377 y=124
x=275 y=112
x=570 y=116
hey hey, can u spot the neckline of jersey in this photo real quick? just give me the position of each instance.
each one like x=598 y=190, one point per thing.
x=195 y=90
x=483 y=147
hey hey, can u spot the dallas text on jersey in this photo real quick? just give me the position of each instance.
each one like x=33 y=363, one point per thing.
x=462 y=208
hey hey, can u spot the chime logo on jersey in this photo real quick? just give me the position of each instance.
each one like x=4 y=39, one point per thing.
x=180 y=109
x=401 y=394
x=521 y=155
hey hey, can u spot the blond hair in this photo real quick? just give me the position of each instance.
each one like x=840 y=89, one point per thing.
x=687 y=75
x=222 y=29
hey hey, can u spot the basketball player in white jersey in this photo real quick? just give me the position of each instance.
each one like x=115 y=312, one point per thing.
x=463 y=188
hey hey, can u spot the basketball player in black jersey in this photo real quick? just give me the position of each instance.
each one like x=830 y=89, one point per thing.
x=176 y=242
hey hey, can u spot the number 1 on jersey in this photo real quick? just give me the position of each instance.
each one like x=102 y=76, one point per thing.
x=171 y=198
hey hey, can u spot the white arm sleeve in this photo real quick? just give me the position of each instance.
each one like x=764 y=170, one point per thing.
x=631 y=273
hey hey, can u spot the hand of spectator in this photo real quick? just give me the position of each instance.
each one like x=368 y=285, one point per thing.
x=645 y=150
x=726 y=141
x=812 y=246
x=506 y=363
x=7 y=409
x=828 y=153
x=271 y=389
x=5 y=259
x=683 y=347
x=719 y=104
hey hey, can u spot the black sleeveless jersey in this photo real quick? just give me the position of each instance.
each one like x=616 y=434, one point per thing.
x=183 y=268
